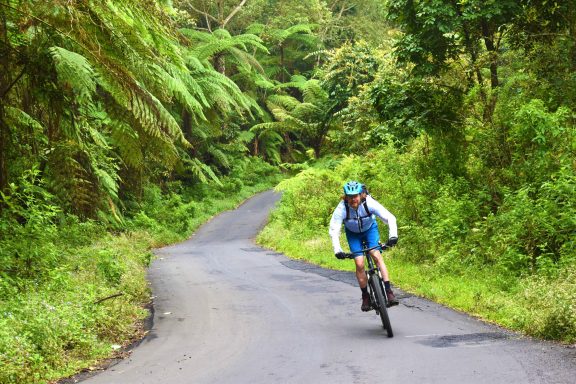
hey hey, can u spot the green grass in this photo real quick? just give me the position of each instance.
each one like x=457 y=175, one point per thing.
x=56 y=328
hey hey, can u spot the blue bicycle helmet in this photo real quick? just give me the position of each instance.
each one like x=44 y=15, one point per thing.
x=352 y=188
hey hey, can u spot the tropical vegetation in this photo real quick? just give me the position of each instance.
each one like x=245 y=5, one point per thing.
x=126 y=124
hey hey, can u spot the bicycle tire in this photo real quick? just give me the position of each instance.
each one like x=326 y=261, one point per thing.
x=381 y=302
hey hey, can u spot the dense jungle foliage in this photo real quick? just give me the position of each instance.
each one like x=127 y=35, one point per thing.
x=126 y=124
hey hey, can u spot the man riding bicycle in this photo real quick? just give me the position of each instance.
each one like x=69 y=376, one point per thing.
x=358 y=211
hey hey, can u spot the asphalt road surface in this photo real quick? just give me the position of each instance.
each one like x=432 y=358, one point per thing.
x=228 y=311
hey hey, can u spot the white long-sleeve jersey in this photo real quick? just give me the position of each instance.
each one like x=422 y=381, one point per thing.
x=359 y=220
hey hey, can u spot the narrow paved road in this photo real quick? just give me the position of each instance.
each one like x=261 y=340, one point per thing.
x=227 y=311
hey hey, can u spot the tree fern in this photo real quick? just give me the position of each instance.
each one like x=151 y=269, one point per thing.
x=125 y=81
x=180 y=87
x=309 y=119
x=279 y=36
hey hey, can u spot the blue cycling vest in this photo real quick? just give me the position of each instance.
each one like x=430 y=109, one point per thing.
x=358 y=220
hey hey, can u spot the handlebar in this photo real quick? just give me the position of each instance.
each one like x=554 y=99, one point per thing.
x=366 y=250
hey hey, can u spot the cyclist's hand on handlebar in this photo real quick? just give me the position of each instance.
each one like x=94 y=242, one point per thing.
x=392 y=242
x=340 y=255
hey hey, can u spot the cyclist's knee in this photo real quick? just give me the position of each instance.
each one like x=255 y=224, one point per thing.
x=376 y=255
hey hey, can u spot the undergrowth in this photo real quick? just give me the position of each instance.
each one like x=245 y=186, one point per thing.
x=74 y=292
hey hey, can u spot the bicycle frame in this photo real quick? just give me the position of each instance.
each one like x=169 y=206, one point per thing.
x=374 y=270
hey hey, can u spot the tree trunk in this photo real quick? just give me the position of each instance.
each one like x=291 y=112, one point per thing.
x=491 y=48
x=220 y=63
x=3 y=158
x=572 y=32
x=255 y=148
x=289 y=149
x=187 y=125
x=488 y=37
x=282 y=63
x=4 y=88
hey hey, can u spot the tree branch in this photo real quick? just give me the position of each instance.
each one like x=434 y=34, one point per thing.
x=4 y=92
x=234 y=11
x=206 y=14
x=108 y=298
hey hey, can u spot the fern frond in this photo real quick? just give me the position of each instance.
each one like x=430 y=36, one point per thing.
x=246 y=136
x=202 y=171
x=246 y=61
x=196 y=35
x=19 y=118
x=108 y=182
x=174 y=86
x=274 y=126
x=296 y=81
x=221 y=33
x=195 y=64
x=74 y=71
x=98 y=138
x=126 y=139
x=250 y=40
x=145 y=108
x=263 y=82
x=324 y=53
x=313 y=92
x=282 y=101
x=280 y=35
x=224 y=93
x=307 y=40
x=70 y=180
x=210 y=45
x=256 y=29
x=221 y=158
x=307 y=110
x=270 y=142
x=273 y=71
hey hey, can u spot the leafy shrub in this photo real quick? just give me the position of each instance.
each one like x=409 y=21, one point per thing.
x=110 y=265
x=27 y=229
x=309 y=199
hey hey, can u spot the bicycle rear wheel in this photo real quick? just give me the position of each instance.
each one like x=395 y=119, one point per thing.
x=381 y=302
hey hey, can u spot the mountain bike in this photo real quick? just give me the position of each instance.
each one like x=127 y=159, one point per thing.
x=378 y=298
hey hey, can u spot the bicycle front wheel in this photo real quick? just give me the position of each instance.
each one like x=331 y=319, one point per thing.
x=381 y=302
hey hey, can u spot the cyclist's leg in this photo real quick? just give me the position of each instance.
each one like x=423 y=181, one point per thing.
x=355 y=244
x=377 y=257
x=360 y=274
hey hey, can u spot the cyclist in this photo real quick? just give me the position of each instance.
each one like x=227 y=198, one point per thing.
x=358 y=211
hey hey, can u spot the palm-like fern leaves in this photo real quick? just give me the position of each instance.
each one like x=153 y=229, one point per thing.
x=307 y=119
x=287 y=45
x=124 y=77
x=220 y=41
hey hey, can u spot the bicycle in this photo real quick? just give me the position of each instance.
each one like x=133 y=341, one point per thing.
x=378 y=298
